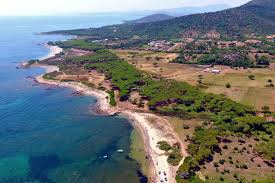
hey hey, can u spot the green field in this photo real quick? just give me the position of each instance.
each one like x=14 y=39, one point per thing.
x=250 y=92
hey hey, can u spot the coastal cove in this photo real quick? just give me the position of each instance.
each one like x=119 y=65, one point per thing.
x=152 y=128
x=37 y=142
x=145 y=94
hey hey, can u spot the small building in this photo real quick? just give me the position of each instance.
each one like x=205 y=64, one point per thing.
x=215 y=71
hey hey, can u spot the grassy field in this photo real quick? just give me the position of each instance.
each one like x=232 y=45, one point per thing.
x=243 y=89
x=183 y=128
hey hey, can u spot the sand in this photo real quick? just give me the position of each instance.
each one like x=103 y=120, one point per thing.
x=54 y=50
x=153 y=128
x=152 y=133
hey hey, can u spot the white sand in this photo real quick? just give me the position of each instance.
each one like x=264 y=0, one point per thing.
x=152 y=133
x=54 y=50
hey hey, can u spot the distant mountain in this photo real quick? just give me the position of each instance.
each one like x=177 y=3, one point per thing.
x=150 y=18
x=193 y=10
x=257 y=16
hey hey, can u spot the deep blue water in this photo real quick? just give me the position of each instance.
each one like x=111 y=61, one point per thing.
x=46 y=134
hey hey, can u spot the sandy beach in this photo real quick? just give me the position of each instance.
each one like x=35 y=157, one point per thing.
x=153 y=128
x=53 y=50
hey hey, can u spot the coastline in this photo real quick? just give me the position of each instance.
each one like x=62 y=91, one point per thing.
x=151 y=127
x=53 y=51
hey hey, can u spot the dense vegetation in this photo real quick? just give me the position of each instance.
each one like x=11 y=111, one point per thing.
x=221 y=115
x=100 y=56
x=257 y=16
x=174 y=154
x=78 y=43
x=163 y=145
x=51 y=76
x=234 y=56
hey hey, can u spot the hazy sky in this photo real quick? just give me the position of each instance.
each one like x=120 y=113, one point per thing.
x=42 y=7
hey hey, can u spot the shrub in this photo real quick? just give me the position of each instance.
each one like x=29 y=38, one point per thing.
x=185 y=126
x=222 y=161
x=226 y=171
x=112 y=98
x=265 y=109
x=244 y=166
x=164 y=146
x=251 y=77
x=225 y=147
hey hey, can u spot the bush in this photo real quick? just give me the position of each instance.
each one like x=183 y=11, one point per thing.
x=51 y=76
x=174 y=157
x=216 y=164
x=185 y=126
x=222 y=161
x=225 y=147
x=244 y=166
x=228 y=86
x=251 y=77
x=164 y=146
x=112 y=98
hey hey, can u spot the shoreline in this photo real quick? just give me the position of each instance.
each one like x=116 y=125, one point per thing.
x=151 y=127
x=53 y=51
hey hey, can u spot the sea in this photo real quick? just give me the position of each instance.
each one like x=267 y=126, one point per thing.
x=46 y=134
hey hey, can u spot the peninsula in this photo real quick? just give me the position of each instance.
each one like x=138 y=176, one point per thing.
x=202 y=96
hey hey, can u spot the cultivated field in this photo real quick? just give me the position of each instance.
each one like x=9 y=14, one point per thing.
x=243 y=89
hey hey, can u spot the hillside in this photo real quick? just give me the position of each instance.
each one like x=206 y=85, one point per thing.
x=150 y=18
x=257 y=16
x=183 y=11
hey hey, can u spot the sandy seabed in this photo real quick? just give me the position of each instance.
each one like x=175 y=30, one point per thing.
x=151 y=132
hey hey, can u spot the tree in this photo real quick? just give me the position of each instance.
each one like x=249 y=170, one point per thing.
x=228 y=85
x=265 y=109
x=248 y=123
x=251 y=77
x=264 y=60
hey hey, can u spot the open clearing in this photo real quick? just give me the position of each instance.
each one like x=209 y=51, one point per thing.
x=244 y=90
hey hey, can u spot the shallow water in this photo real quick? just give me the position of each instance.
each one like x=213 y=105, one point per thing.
x=46 y=134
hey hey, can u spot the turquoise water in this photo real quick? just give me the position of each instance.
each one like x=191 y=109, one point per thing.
x=46 y=134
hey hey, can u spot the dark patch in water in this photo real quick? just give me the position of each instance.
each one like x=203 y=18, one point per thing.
x=40 y=165
x=142 y=178
x=127 y=157
x=107 y=151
